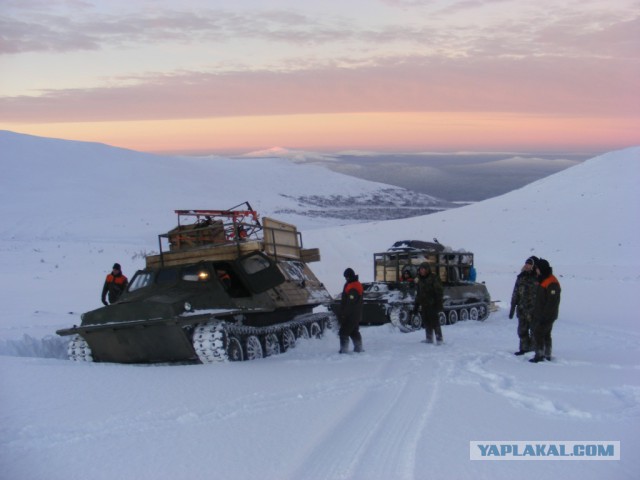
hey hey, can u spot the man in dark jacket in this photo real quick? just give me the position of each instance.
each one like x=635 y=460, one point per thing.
x=114 y=285
x=429 y=297
x=351 y=312
x=522 y=301
x=545 y=311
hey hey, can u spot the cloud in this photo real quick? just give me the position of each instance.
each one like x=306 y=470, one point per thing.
x=533 y=85
x=51 y=31
x=506 y=28
x=571 y=62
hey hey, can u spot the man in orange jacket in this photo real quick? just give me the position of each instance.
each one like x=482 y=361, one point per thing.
x=351 y=312
x=114 y=285
x=545 y=311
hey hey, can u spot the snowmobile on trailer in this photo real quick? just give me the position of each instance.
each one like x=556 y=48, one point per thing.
x=230 y=287
x=390 y=297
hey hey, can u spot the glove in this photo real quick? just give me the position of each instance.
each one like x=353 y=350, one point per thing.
x=512 y=311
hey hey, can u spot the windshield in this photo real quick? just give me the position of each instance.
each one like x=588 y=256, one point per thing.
x=255 y=264
x=140 y=280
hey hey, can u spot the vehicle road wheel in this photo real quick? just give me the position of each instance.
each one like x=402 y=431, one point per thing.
x=288 y=340
x=406 y=320
x=473 y=313
x=482 y=312
x=399 y=317
x=464 y=315
x=415 y=320
x=272 y=345
x=314 y=330
x=394 y=316
x=234 y=350
x=254 y=348
x=453 y=317
x=302 y=332
x=330 y=322
x=442 y=318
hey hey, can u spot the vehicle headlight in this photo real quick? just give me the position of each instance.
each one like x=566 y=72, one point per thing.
x=187 y=307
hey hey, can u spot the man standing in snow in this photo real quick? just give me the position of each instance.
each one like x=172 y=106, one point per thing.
x=429 y=297
x=545 y=311
x=351 y=312
x=114 y=285
x=522 y=302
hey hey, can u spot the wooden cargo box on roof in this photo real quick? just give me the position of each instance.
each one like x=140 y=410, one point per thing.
x=226 y=252
x=205 y=232
x=450 y=266
x=281 y=240
x=389 y=266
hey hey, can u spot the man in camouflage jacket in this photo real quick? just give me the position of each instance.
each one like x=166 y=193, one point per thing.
x=429 y=297
x=522 y=303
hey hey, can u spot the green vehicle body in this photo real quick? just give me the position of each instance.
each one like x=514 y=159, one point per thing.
x=389 y=299
x=179 y=309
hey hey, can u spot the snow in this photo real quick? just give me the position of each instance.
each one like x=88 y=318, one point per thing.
x=401 y=410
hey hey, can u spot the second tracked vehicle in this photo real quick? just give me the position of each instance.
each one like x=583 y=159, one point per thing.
x=230 y=287
x=390 y=297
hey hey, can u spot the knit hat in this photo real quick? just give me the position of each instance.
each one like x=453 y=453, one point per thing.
x=116 y=266
x=349 y=274
x=544 y=267
x=427 y=268
x=532 y=260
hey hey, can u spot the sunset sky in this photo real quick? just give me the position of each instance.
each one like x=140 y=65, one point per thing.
x=232 y=76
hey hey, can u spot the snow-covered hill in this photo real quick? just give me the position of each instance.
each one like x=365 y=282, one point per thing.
x=401 y=410
x=110 y=181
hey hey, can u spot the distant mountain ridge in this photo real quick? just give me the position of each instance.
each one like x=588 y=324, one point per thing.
x=51 y=175
x=453 y=176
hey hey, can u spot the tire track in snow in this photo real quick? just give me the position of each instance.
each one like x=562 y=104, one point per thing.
x=350 y=449
x=161 y=420
x=406 y=423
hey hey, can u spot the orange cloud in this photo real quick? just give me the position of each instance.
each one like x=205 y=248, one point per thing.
x=395 y=131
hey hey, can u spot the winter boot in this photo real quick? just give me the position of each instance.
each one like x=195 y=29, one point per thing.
x=429 y=333
x=525 y=346
x=538 y=357
x=547 y=349
x=357 y=346
x=344 y=345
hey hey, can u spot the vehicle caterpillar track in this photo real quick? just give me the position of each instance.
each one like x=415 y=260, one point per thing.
x=401 y=315
x=79 y=350
x=217 y=341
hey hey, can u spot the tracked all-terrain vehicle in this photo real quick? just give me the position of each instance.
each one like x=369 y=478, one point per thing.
x=390 y=297
x=230 y=287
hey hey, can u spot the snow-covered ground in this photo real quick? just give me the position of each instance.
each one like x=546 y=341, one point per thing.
x=401 y=410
